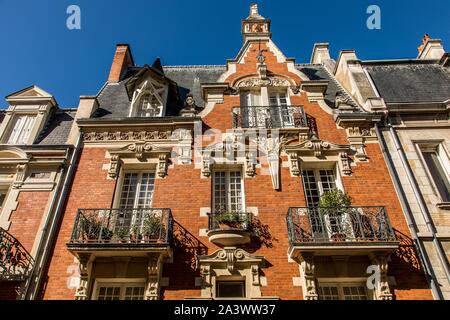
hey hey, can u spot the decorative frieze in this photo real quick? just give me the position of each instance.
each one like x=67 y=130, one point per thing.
x=266 y=82
x=127 y=136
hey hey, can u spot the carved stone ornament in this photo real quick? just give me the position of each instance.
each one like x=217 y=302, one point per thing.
x=20 y=175
x=382 y=290
x=293 y=161
x=81 y=292
x=126 y=136
x=346 y=169
x=206 y=165
x=231 y=256
x=268 y=82
x=250 y=164
x=154 y=269
x=317 y=146
x=162 y=165
x=307 y=268
x=272 y=146
x=140 y=148
x=114 y=165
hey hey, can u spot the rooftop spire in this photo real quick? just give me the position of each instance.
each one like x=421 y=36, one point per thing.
x=255 y=26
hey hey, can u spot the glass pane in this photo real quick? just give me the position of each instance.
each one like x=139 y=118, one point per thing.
x=230 y=289
x=109 y=293
x=128 y=193
x=438 y=174
x=354 y=293
x=328 y=293
x=327 y=179
x=235 y=191
x=220 y=194
x=146 y=190
x=134 y=293
x=311 y=187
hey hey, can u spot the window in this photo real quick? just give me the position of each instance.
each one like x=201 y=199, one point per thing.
x=121 y=291
x=436 y=162
x=137 y=190
x=342 y=291
x=230 y=289
x=251 y=98
x=149 y=106
x=21 y=129
x=316 y=182
x=227 y=191
x=286 y=113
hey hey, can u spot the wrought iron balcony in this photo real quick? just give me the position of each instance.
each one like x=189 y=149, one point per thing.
x=269 y=117
x=122 y=228
x=15 y=262
x=229 y=228
x=347 y=227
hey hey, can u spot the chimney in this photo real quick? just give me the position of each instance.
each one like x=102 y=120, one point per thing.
x=320 y=53
x=255 y=26
x=122 y=59
x=430 y=49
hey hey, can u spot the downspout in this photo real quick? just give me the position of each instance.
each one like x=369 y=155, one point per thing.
x=423 y=208
x=429 y=272
x=48 y=234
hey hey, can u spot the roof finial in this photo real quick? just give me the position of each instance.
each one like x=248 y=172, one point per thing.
x=254 y=14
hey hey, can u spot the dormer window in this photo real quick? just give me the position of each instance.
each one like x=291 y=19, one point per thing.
x=21 y=129
x=149 y=99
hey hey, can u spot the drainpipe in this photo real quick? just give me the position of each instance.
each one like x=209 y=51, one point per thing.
x=49 y=233
x=429 y=271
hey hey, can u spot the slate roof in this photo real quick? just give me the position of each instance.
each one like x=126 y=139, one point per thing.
x=57 y=128
x=115 y=103
x=318 y=72
x=410 y=81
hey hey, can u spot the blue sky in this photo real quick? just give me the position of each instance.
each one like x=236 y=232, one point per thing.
x=37 y=48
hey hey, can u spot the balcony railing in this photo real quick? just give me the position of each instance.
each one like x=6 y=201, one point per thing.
x=339 y=225
x=229 y=221
x=15 y=262
x=269 y=117
x=116 y=226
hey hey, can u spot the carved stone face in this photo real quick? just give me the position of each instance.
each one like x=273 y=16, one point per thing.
x=190 y=102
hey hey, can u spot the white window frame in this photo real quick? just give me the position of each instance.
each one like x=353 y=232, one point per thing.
x=123 y=283
x=316 y=167
x=19 y=137
x=227 y=186
x=340 y=284
x=443 y=158
x=247 y=100
x=235 y=280
x=148 y=87
x=138 y=186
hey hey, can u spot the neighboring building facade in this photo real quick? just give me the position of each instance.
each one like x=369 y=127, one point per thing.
x=414 y=95
x=35 y=154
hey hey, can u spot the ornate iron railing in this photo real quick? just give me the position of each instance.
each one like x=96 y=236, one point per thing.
x=269 y=117
x=114 y=226
x=339 y=224
x=221 y=220
x=15 y=262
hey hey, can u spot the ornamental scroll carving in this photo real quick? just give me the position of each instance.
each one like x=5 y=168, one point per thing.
x=257 y=82
x=231 y=256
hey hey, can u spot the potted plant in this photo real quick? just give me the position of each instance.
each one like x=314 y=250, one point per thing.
x=90 y=229
x=122 y=234
x=332 y=208
x=152 y=228
x=228 y=220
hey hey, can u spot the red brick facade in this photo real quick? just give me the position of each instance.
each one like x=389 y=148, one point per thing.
x=185 y=192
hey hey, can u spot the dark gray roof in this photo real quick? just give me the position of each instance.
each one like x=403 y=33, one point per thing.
x=114 y=101
x=189 y=79
x=411 y=81
x=57 y=128
x=318 y=72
